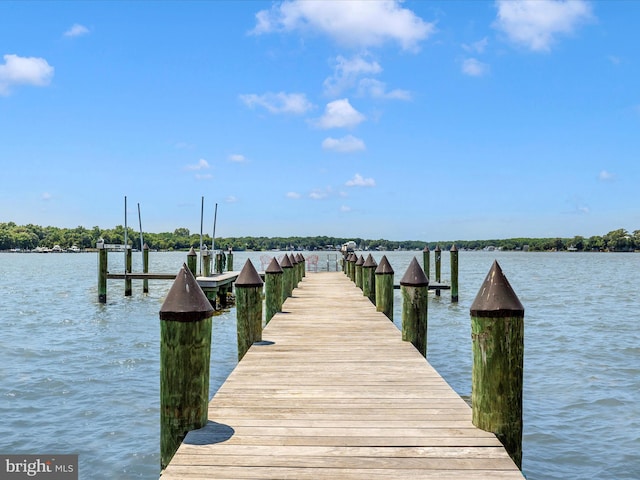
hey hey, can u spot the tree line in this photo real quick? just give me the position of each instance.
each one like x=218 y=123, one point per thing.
x=29 y=237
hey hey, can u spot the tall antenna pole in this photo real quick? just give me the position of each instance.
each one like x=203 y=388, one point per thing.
x=201 y=222
x=126 y=241
x=140 y=222
x=215 y=218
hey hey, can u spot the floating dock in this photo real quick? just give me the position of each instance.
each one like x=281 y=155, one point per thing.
x=332 y=392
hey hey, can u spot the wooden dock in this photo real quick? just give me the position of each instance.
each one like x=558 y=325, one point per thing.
x=332 y=392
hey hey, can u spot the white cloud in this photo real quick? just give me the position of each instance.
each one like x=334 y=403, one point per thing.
x=203 y=176
x=76 y=30
x=355 y=23
x=281 y=102
x=318 y=194
x=340 y=114
x=535 y=23
x=231 y=199
x=201 y=165
x=46 y=196
x=345 y=144
x=605 y=176
x=294 y=195
x=474 y=67
x=345 y=208
x=359 y=181
x=237 y=158
x=377 y=89
x=477 y=47
x=24 y=71
x=346 y=72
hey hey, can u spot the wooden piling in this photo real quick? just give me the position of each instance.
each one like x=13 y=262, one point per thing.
x=384 y=287
x=219 y=266
x=145 y=267
x=352 y=266
x=358 y=267
x=192 y=261
x=369 y=278
x=230 y=260
x=185 y=348
x=287 y=270
x=206 y=263
x=102 y=273
x=248 y=308
x=415 y=293
x=426 y=260
x=497 y=334
x=437 y=254
x=454 y=273
x=128 y=256
x=273 y=289
x=294 y=272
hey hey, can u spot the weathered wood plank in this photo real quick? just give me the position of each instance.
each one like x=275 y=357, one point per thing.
x=332 y=392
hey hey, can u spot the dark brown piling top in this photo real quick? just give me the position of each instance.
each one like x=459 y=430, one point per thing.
x=300 y=258
x=286 y=262
x=145 y=247
x=414 y=276
x=437 y=249
x=185 y=302
x=453 y=248
x=496 y=298
x=369 y=262
x=249 y=276
x=273 y=267
x=192 y=253
x=384 y=267
x=426 y=248
x=292 y=259
x=360 y=261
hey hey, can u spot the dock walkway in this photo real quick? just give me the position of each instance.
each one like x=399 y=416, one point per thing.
x=332 y=392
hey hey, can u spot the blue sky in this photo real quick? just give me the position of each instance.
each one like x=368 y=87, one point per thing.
x=421 y=120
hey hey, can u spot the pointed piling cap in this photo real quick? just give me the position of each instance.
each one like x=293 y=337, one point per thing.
x=185 y=302
x=414 y=276
x=292 y=259
x=496 y=298
x=437 y=249
x=286 y=262
x=274 y=267
x=353 y=257
x=369 y=262
x=192 y=253
x=249 y=276
x=360 y=261
x=453 y=248
x=426 y=248
x=145 y=247
x=384 y=267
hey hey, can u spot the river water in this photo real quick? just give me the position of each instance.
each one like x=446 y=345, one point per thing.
x=79 y=377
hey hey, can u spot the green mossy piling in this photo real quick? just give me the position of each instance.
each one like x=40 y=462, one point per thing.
x=192 y=261
x=415 y=292
x=384 y=287
x=454 y=274
x=273 y=277
x=128 y=255
x=185 y=349
x=369 y=278
x=102 y=273
x=248 y=308
x=145 y=267
x=437 y=254
x=497 y=334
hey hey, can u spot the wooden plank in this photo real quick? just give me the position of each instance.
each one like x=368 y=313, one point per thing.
x=333 y=392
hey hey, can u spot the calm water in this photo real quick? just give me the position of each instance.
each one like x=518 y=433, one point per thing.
x=80 y=377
